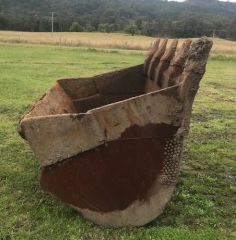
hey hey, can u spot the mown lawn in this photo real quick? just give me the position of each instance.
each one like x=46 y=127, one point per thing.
x=204 y=205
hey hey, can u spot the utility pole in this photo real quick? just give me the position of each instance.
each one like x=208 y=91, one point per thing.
x=214 y=34
x=52 y=21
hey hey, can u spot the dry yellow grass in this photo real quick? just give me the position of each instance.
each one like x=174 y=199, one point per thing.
x=99 y=40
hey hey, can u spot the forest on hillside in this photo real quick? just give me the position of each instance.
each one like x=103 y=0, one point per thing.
x=192 y=18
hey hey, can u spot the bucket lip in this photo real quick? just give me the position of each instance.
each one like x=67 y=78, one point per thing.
x=91 y=111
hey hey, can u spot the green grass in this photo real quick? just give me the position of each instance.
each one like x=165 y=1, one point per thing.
x=203 y=206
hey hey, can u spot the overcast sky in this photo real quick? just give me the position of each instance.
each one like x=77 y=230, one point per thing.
x=220 y=0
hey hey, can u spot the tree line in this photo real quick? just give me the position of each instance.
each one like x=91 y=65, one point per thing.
x=192 y=18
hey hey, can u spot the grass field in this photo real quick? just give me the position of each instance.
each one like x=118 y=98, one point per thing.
x=99 y=40
x=203 y=206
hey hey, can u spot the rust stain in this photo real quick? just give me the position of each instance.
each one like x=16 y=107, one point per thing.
x=113 y=176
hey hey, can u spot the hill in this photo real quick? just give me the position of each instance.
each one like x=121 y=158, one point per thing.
x=148 y=17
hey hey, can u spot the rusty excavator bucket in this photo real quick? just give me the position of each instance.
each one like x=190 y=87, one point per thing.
x=110 y=146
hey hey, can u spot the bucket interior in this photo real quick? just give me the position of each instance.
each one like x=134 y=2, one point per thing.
x=90 y=93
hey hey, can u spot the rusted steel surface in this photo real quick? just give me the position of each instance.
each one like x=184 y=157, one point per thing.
x=110 y=146
x=113 y=176
x=54 y=102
